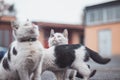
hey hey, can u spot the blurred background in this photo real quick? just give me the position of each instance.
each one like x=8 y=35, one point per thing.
x=94 y=23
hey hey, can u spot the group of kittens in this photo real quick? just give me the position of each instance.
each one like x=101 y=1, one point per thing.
x=27 y=59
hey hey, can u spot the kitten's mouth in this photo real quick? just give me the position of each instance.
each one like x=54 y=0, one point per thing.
x=27 y=39
x=56 y=42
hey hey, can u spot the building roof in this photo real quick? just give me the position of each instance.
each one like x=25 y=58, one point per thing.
x=7 y=18
x=107 y=4
x=58 y=25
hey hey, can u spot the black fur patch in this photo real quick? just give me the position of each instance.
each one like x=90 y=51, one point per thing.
x=2 y=53
x=88 y=66
x=14 y=51
x=65 y=55
x=79 y=75
x=18 y=76
x=5 y=64
x=9 y=56
x=86 y=57
x=92 y=73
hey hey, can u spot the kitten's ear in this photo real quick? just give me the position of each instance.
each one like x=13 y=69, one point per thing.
x=65 y=33
x=28 y=22
x=14 y=25
x=52 y=32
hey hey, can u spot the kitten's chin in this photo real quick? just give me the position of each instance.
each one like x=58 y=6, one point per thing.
x=56 y=44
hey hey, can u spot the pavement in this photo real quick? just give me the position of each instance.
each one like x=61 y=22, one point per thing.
x=110 y=71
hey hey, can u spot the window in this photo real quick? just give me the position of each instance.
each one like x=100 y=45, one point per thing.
x=1 y=37
x=117 y=13
x=5 y=38
x=100 y=15
x=103 y=15
x=113 y=14
x=92 y=16
x=109 y=13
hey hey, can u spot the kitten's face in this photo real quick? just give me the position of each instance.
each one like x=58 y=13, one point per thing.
x=57 y=39
x=25 y=30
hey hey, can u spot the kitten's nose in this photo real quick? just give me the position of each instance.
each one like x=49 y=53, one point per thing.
x=31 y=31
x=54 y=38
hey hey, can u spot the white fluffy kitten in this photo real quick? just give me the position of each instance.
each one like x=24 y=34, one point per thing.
x=24 y=55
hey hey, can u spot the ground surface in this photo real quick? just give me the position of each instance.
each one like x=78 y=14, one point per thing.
x=110 y=71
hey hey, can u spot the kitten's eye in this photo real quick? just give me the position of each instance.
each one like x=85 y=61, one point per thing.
x=52 y=35
x=16 y=26
x=26 y=24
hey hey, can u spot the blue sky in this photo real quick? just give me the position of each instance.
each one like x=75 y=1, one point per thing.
x=59 y=11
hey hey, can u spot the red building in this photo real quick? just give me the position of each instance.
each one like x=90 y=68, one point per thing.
x=6 y=37
x=75 y=32
x=5 y=30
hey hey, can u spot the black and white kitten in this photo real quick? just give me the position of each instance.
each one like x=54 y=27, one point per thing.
x=59 y=39
x=24 y=55
x=71 y=56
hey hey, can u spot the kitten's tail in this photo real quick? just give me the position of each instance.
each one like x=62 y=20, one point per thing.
x=96 y=57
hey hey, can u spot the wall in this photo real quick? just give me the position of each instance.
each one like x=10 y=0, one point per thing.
x=91 y=36
x=41 y=37
x=75 y=37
